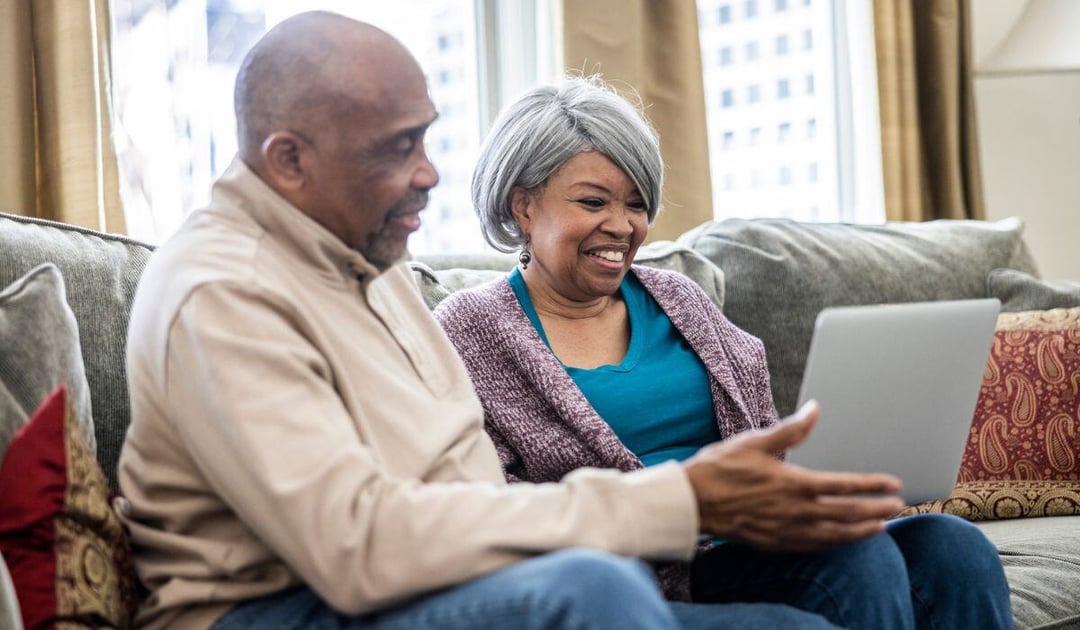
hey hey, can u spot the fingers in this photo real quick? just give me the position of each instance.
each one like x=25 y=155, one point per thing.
x=849 y=509
x=820 y=482
x=812 y=524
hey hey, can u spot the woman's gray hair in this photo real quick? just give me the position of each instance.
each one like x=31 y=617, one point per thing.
x=533 y=137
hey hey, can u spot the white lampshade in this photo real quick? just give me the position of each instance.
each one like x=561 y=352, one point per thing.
x=1045 y=39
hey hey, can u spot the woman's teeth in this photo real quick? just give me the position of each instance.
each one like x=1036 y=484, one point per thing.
x=610 y=256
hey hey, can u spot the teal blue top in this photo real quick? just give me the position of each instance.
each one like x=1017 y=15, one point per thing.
x=658 y=400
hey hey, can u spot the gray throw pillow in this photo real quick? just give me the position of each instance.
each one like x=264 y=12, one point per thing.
x=41 y=350
x=100 y=274
x=1019 y=291
x=779 y=274
x=439 y=276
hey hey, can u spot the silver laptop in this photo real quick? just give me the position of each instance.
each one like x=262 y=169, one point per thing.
x=897 y=384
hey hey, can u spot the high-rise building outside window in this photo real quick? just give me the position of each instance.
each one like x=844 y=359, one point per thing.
x=821 y=161
x=174 y=64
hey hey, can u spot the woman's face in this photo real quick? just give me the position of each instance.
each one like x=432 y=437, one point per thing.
x=585 y=228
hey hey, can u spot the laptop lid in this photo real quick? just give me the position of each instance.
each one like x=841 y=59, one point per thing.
x=897 y=384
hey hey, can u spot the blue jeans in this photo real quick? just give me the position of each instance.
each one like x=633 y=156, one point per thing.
x=574 y=589
x=926 y=571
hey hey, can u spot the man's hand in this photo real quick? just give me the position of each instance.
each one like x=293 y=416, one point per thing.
x=745 y=493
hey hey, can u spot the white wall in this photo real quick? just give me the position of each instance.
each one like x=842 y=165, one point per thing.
x=1029 y=134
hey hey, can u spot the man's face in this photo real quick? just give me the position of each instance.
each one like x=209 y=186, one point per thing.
x=373 y=174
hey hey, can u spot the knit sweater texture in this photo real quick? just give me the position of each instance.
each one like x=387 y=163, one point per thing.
x=542 y=424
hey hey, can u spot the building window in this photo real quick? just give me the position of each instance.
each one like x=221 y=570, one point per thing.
x=727 y=98
x=808 y=39
x=811 y=172
x=781 y=45
x=755 y=136
x=785 y=176
x=725 y=56
x=783 y=132
x=811 y=129
x=752 y=51
x=753 y=93
x=729 y=139
x=809 y=85
x=783 y=89
x=750 y=8
x=723 y=14
x=780 y=5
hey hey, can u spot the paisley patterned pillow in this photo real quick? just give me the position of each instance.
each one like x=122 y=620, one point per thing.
x=1023 y=454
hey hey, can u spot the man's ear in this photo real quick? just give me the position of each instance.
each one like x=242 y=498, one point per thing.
x=521 y=206
x=282 y=153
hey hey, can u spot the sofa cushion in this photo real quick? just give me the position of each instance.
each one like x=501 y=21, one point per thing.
x=1019 y=291
x=100 y=272
x=1042 y=560
x=65 y=548
x=439 y=276
x=40 y=342
x=1021 y=457
x=780 y=273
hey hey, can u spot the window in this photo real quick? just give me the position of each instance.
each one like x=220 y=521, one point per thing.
x=781 y=45
x=723 y=15
x=725 y=56
x=784 y=176
x=827 y=138
x=753 y=94
x=783 y=89
x=729 y=139
x=727 y=98
x=783 y=132
x=755 y=136
x=751 y=8
x=174 y=64
x=751 y=51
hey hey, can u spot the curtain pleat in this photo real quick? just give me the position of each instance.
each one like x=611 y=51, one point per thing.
x=649 y=50
x=929 y=139
x=57 y=102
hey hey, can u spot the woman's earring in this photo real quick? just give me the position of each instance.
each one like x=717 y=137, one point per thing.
x=525 y=257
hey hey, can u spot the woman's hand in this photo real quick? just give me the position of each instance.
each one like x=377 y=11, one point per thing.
x=746 y=494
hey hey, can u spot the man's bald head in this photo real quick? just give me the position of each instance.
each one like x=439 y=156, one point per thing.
x=303 y=76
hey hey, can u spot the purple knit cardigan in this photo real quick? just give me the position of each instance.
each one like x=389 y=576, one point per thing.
x=542 y=424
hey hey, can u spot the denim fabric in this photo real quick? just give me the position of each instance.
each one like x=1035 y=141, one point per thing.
x=927 y=571
x=574 y=589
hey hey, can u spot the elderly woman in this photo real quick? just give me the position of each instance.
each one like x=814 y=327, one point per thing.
x=582 y=358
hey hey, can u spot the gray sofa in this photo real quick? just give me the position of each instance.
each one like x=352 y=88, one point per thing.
x=771 y=277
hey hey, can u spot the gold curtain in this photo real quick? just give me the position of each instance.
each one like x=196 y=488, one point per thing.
x=60 y=162
x=652 y=46
x=929 y=141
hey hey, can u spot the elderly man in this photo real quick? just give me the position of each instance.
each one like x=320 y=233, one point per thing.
x=306 y=449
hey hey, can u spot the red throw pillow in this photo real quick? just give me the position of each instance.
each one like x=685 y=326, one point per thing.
x=1023 y=453
x=64 y=547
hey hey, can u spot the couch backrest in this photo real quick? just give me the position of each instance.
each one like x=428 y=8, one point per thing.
x=770 y=276
x=100 y=273
x=779 y=274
